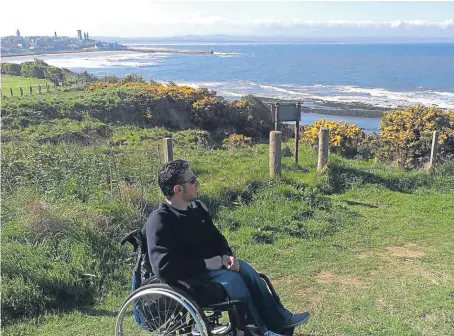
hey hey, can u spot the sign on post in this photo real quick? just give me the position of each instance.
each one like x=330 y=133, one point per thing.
x=287 y=112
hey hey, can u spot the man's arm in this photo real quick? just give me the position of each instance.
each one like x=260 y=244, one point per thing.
x=224 y=248
x=219 y=240
x=165 y=260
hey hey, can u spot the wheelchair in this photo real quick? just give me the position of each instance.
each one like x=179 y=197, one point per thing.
x=156 y=308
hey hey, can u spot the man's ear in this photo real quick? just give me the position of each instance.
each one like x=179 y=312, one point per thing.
x=177 y=188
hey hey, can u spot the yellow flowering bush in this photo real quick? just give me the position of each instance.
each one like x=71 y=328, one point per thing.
x=180 y=107
x=155 y=89
x=406 y=134
x=343 y=138
x=252 y=116
x=237 y=141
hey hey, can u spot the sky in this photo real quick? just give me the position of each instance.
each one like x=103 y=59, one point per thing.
x=146 y=18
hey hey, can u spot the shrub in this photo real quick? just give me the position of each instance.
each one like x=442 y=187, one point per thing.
x=209 y=113
x=133 y=78
x=238 y=141
x=252 y=116
x=343 y=138
x=12 y=69
x=34 y=68
x=407 y=134
x=286 y=151
x=54 y=74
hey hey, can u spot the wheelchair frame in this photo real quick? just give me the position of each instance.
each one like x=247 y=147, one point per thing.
x=206 y=324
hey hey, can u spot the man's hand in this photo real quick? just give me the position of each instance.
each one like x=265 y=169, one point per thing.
x=214 y=263
x=231 y=263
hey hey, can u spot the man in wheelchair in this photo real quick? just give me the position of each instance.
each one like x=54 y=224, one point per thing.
x=184 y=246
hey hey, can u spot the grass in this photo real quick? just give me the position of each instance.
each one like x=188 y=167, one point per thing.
x=371 y=256
x=15 y=82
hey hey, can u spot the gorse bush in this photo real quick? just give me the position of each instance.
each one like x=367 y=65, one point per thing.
x=406 y=134
x=237 y=141
x=135 y=102
x=343 y=138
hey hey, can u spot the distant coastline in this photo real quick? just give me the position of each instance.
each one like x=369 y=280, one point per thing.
x=151 y=50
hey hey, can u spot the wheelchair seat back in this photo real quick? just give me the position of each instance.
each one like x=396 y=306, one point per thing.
x=204 y=293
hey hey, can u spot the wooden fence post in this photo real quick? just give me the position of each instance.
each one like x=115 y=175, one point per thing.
x=47 y=87
x=11 y=91
x=434 y=151
x=21 y=91
x=168 y=149
x=39 y=88
x=297 y=133
x=323 y=143
x=275 y=153
x=31 y=90
x=276 y=117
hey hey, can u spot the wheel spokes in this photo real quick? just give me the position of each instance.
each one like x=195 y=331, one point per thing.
x=160 y=314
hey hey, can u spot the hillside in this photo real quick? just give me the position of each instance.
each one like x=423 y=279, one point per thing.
x=365 y=247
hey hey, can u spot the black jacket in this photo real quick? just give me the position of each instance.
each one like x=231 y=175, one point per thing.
x=179 y=241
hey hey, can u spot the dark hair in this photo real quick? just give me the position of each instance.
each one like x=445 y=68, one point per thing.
x=171 y=174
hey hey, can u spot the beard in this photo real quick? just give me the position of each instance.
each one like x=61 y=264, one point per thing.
x=187 y=197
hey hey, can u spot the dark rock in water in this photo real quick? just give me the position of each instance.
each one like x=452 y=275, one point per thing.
x=354 y=109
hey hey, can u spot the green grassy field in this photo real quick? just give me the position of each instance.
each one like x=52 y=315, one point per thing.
x=367 y=248
x=372 y=259
x=14 y=82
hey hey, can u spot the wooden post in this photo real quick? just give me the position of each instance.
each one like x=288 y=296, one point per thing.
x=297 y=133
x=21 y=91
x=39 y=88
x=323 y=143
x=275 y=153
x=434 y=151
x=11 y=91
x=168 y=149
x=276 y=117
x=31 y=90
x=47 y=87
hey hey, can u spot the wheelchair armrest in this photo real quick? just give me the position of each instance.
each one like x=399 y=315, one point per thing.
x=271 y=288
x=131 y=237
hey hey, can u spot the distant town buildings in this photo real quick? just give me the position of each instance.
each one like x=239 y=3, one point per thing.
x=109 y=46
x=19 y=45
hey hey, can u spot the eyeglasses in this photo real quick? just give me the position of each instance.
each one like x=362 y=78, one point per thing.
x=192 y=180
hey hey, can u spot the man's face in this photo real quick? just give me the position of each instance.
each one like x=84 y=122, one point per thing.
x=190 y=186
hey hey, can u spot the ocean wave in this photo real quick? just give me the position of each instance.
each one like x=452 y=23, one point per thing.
x=333 y=93
x=96 y=60
x=226 y=54
x=198 y=85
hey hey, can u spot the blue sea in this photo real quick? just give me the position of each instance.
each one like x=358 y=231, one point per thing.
x=379 y=74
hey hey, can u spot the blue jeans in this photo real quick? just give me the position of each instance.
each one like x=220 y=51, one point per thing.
x=248 y=286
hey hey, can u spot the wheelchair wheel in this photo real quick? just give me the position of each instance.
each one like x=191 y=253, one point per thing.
x=160 y=309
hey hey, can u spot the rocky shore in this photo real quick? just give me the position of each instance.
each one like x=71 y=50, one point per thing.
x=353 y=109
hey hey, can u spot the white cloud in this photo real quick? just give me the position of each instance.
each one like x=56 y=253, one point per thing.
x=271 y=22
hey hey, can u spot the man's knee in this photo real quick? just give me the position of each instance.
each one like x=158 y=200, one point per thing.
x=245 y=267
x=247 y=272
x=234 y=285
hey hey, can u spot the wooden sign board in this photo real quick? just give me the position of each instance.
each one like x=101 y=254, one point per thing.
x=285 y=112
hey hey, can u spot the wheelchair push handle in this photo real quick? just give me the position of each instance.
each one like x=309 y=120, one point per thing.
x=131 y=238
